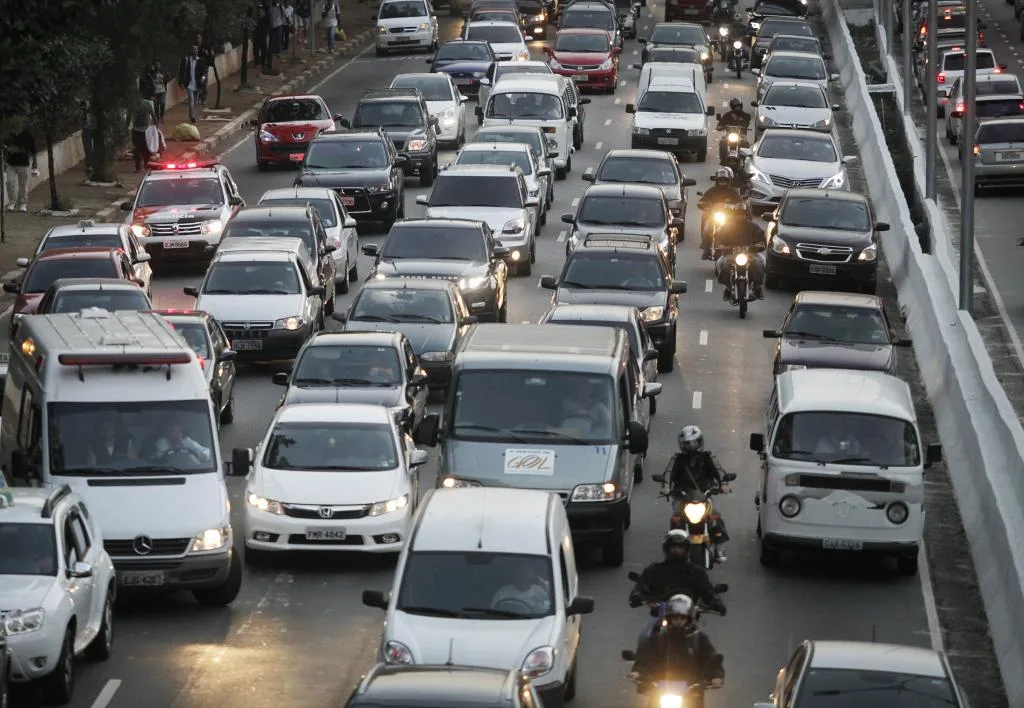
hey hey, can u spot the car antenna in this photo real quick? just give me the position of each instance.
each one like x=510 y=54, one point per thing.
x=451 y=648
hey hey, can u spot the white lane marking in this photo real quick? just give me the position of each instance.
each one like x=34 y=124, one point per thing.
x=698 y=398
x=107 y=694
x=538 y=281
x=636 y=52
x=526 y=322
x=617 y=101
x=607 y=122
x=621 y=83
x=562 y=235
x=703 y=338
x=598 y=145
x=709 y=285
x=574 y=203
x=930 y=611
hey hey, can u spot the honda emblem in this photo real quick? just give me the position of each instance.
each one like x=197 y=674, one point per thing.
x=326 y=512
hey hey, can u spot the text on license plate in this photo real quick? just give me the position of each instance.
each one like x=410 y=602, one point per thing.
x=175 y=244
x=691 y=12
x=139 y=579
x=296 y=156
x=403 y=40
x=463 y=82
x=325 y=534
x=841 y=544
x=823 y=270
x=348 y=201
x=668 y=141
x=1009 y=155
x=580 y=77
x=247 y=345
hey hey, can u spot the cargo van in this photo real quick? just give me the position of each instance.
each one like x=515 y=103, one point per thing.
x=671 y=115
x=693 y=73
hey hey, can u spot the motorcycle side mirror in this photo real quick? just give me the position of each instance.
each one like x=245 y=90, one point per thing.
x=628 y=655
x=659 y=478
x=721 y=587
x=634 y=576
x=836 y=107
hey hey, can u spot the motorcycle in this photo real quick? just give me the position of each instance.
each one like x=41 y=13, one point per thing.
x=669 y=694
x=729 y=148
x=656 y=606
x=709 y=227
x=740 y=279
x=739 y=58
x=694 y=513
x=721 y=41
x=629 y=13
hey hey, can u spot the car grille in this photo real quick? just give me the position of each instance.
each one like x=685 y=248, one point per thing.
x=403 y=30
x=852 y=483
x=822 y=253
x=668 y=133
x=161 y=547
x=248 y=330
x=462 y=74
x=361 y=205
x=789 y=183
x=581 y=67
x=179 y=228
x=301 y=511
x=503 y=57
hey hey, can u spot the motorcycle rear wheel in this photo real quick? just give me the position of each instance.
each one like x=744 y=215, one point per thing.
x=741 y=297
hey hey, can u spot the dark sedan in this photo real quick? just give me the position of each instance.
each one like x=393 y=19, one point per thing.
x=465 y=61
x=652 y=167
x=213 y=350
x=826 y=330
x=430 y=313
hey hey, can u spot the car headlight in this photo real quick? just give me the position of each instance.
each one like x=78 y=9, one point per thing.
x=780 y=246
x=456 y=483
x=263 y=504
x=447 y=116
x=554 y=64
x=25 y=621
x=836 y=181
x=289 y=323
x=379 y=188
x=381 y=29
x=539 y=662
x=741 y=259
x=397 y=653
x=141 y=230
x=523 y=55
x=699 y=132
x=824 y=123
x=266 y=137
x=474 y=283
x=869 y=254
x=606 y=65
x=389 y=506
x=653 y=314
x=416 y=144
x=757 y=175
x=212 y=228
x=897 y=513
x=789 y=506
x=641 y=131
x=695 y=512
x=514 y=227
x=596 y=492
x=424 y=26
x=436 y=356
x=535 y=192
x=211 y=540
x=765 y=121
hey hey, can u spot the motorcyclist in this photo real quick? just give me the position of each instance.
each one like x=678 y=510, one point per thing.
x=675 y=574
x=694 y=468
x=740 y=231
x=735 y=119
x=682 y=653
x=722 y=193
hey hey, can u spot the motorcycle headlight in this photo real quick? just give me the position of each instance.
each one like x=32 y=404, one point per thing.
x=606 y=65
x=514 y=227
x=24 y=621
x=723 y=32
x=596 y=492
x=641 y=131
x=539 y=662
x=212 y=228
x=780 y=246
x=733 y=137
x=755 y=25
x=869 y=254
x=140 y=230
x=263 y=504
x=695 y=511
x=719 y=217
x=737 y=45
x=417 y=144
x=211 y=540
x=289 y=323
x=456 y=483
x=266 y=137
x=704 y=56
x=670 y=700
x=539 y=17
x=653 y=314
x=836 y=181
x=389 y=506
x=757 y=175
x=397 y=653
x=742 y=259
x=473 y=283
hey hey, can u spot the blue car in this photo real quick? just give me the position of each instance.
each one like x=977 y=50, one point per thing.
x=465 y=61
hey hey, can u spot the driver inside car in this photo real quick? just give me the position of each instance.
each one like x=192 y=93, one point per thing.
x=586 y=410
x=527 y=589
x=174 y=438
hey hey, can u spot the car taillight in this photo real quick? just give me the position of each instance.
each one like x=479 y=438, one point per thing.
x=336 y=242
x=959 y=108
x=977 y=150
x=942 y=77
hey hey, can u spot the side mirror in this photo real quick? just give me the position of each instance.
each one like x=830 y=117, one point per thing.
x=344 y=122
x=375 y=598
x=280 y=378
x=720 y=588
x=12 y=288
x=568 y=219
x=126 y=206
x=371 y=249
x=23 y=262
x=430 y=60
x=532 y=202
x=771 y=333
x=651 y=355
x=637 y=438
x=580 y=606
x=241 y=461
x=483 y=82
x=423 y=199
x=470 y=320
x=642 y=40
x=418 y=458
x=628 y=655
x=689 y=182
x=833 y=78
x=548 y=282
x=500 y=251
x=746 y=152
x=849 y=159
x=141 y=258
x=316 y=290
x=236 y=201
x=341 y=317
x=427 y=432
x=330 y=248
x=882 y=226
x=677 y=288
x=933 y=454
x=636 y=66
x=659 y=478
x=836 y=107
x=710 y=111
x=350 y=223
x=588 y=177
x=617 y=50
x=755 y=71
x=139 y=281
x=463 y=99
x=753 y=104
x=546 y=50
x=80 y=570
x=188 y=290
x=544 y=172
x=401 y=160
x=228 y=355
x=572 y=112
x=418 y=378
x=651 y=390
x=634 y=576
x=479 y=110
x=678 y=223
x=769 y=217
x=757 y=442
x=630 y=108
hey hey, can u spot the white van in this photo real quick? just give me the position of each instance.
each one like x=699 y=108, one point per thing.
x=694 y=73
x=671 y=115
x=843 y=466
x=116 y=406
x=455 y=598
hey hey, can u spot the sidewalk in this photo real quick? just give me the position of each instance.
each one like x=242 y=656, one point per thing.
x=218 y=129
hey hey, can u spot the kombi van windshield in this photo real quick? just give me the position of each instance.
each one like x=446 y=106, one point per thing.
x=476 y=585
x=554 y=407
x=847 y=438
x=117 y=438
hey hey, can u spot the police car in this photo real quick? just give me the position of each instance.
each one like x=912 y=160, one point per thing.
x=57 y=587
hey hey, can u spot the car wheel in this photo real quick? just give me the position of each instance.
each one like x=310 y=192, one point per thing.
x=102 y=646
x=667 y=357
x=502 y=315
x=638 y=471
x=59 y=686
x=614 y=552
x=341 y=284
x=702 y=156
x=227 y=416
x=381 y=52
x=560 y=173
x=769 y=557
x=543 y=216
x=427 y=174
x=570 y=683
x=225 y=593
x=5 y=692
x=353 y=273
x=654 y=405
x=950 y=136
x=525 y=267
x=262 y=165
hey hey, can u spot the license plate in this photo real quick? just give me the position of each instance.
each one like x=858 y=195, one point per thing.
x=823 y=270
x=139 y=579
x=668 y=141
x=841 y=544
x=403 y=40
x=691 y=12
x=247 y=345
x=580 y=77
x=175 y=244
x=348 y=201
x=1009 y=156
x=325 y=534
x=463 y=82
x=296 y=156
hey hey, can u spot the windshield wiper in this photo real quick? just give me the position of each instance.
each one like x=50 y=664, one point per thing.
x=491 y=612
x=638 y=223
x=851 y=460
x=489 y=429
x=156 y=469
x=810 y=335
x=417 y=318
x=432 y=611
x=557 y=434
x=374 y=318
x=807 y=453
x=268 y=291
x=219 y=292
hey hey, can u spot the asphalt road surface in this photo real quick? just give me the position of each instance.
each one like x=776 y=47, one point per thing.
x=298 y=635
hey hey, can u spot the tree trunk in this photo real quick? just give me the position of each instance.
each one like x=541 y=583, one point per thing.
x=245 y=58
x=103 y=165
x=52 y=178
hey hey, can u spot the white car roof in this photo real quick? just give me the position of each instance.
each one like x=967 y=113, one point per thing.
x=85 y=227
x=871 y=392
x=494 y=147
x=334 y=413
x=530 y=83
x=871 y=656
x=485 y=520
x=27 y=507
x=297 y=193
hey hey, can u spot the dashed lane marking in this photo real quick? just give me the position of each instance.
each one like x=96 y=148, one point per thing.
x=617 y=101
x=709 y=285
x=608 y=122
x=598 y=145
x=698 y=398
x=562 y=235
x=575 y=202
x=588 y=171
x=703 y=339
x=107 y=694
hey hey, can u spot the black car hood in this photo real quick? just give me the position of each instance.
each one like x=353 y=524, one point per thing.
x=441 y=269
x=634 y=298
x=423 y=337
x=828 y=355
x=826 y=237
x=333 y=179
x=451 y=66
x=798 y=8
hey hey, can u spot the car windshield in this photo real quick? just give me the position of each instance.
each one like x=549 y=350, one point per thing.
x=998 y=108
x=331 y=447
x=847 y=688
x=811 y=68
x=796 y=44
x=401 y=9
x=495 y=34
x=622 y=211
x=403 y=305
x=613 y=272
x=847 y=438
x=43 y=273
x=582 y=43
x=958 y=61
x=465 y=51
x=519 y=158
x=388 y=114
x=346 y=155
x=588 y=19
x=493 y=14
x=29 y=549
x=787 y=147
x=785 y=9
x=110 y=300
x=477 y=585
x=272 y=228
x=835 y=323
x=556 y=407
x=795 y=96
x=531 y=139
x=81 y=241
x=348 y=365
x=180 y=192
x=673 y=56
x=434 y=87
x=995 y=133
x=638 y=171
x=770 y=28
x=195 y=335
x=678 y=34
x=655 y=101
x=537 y=106
x=325 y=208
x=824 y=213
x=248 y=278
x=145 y=437
x=477 y=191
x=291 y=110
x=430 y=243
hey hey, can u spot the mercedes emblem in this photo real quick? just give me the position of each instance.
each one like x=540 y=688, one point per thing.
x=246 y=326
x=142 y=545
x=326 y=512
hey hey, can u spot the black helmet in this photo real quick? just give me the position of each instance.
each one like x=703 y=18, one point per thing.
x=735 y=104
x=675 y=537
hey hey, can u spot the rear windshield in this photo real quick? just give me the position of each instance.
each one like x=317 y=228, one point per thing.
x=479 y=191
x=998 y=108
x=1001 y=133
x=958 y=62
x=495 y=34
x=588 y=18
x=530 y=106
x=463 y=50
x=110 y=300
x=770 y=29
x=43 y=273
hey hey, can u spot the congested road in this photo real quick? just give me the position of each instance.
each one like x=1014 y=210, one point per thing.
x=298 y=635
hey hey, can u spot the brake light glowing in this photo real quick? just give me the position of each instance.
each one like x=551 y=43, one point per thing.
x=942 y=77
x=175 y=312
x=997 y=70
x=959 y=107
x=202 y=362
x=118 y=358
x=977 y=150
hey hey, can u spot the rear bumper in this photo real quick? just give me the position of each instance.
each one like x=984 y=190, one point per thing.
x=1008 y=175
x=592 y=79
x=281 y=153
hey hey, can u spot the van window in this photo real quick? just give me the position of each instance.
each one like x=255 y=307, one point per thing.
x=655 y=101
x=625 y=399
x=566 y=593
x=847 y=438
x=528 y=106
x=29 y=422
x=477 y=585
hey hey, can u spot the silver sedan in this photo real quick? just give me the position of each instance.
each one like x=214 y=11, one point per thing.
x=794 y=104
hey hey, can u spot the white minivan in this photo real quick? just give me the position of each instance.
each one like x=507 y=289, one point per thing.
x=488 y=578
x=843 y=466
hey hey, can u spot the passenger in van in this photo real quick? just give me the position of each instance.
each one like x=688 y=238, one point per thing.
x=174 y=440
x=832 y=443
x=526 y=588
x=585 y=411
x=113 y=444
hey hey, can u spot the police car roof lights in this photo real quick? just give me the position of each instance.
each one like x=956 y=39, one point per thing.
x=190 y=164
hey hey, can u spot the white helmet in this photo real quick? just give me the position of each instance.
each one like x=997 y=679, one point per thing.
x=681 y=605
x=691 y=439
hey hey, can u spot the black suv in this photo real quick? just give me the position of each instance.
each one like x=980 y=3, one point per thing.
x=623 y=269
x=453 y=249
x=364 y=168
x=402 y=114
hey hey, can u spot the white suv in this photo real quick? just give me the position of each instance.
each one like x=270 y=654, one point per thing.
x=405 y=24
x=57 y=587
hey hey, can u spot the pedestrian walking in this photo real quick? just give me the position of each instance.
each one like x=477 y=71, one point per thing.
x=20 y=150
x=289 y=23
x=302 y=21
x=276 y=12
x=88 y=135
x=143 y=116
x=155 y=88
x=192 y=77
x=208 y=55
x=261 y=35
x=331 y=17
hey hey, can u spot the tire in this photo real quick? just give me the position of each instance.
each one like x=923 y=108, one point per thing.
x=654 y=405
x=741 y=296
x=381 y=52
x=870 y=288
x=502 y=314
x=667 y=360
x=525 y=268
x=102 y=646
x=227 y=416
x=341 y=284
x=577 y=139
x=710 y=78
x=560 y=173
x=353 y=273
x=262 y=165
x=614 y=552
x=950 y=136
x=769 y=556
x=5 y=692
x=638 y=472
x=570 y=683
x=699 y=555
x=906 y=565
x=59 y=686
x=224 y=594
x=702 y=156
x=427 y=175
x=568 y=164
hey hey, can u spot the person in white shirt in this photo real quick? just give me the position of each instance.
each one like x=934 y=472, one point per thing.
x=528 y=592
x=174 y=439
x=331 y=17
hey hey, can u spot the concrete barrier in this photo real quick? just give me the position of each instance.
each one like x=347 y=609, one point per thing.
x=982 y=437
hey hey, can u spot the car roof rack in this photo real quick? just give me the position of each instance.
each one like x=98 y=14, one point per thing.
x=55 y=497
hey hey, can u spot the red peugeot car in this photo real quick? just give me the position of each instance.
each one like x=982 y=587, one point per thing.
x=287 y=125
x=587 y=56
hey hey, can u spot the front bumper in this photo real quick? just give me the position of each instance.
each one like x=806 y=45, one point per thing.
x=369 y=207
x=764 y=197
x=449 y=131
x=903 y=549
x=662 y=334
x=195 y=248
x=683 y=143
x=405 y=40
x=190 y=572
x=856 y=273
x=272 y=344
x=596 y=521
x=281 y=153
x=370 y=534
x=482 y=302
x=35 y=654
x=594 y=79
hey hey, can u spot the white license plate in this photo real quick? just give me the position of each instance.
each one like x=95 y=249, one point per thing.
x=841 y=544
x=348 y=201
x=580 y=77
x=1009 y=156
x=668 y=141
x=325 y=534
x=823 y=270
x=403 y=40
x=463 y=82
x=247 y=345
x=175 y=244
x=691 y=12
x=140 y=579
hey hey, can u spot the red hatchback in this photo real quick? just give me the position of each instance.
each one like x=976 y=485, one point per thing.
x=587 y=56
x=287 y=125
